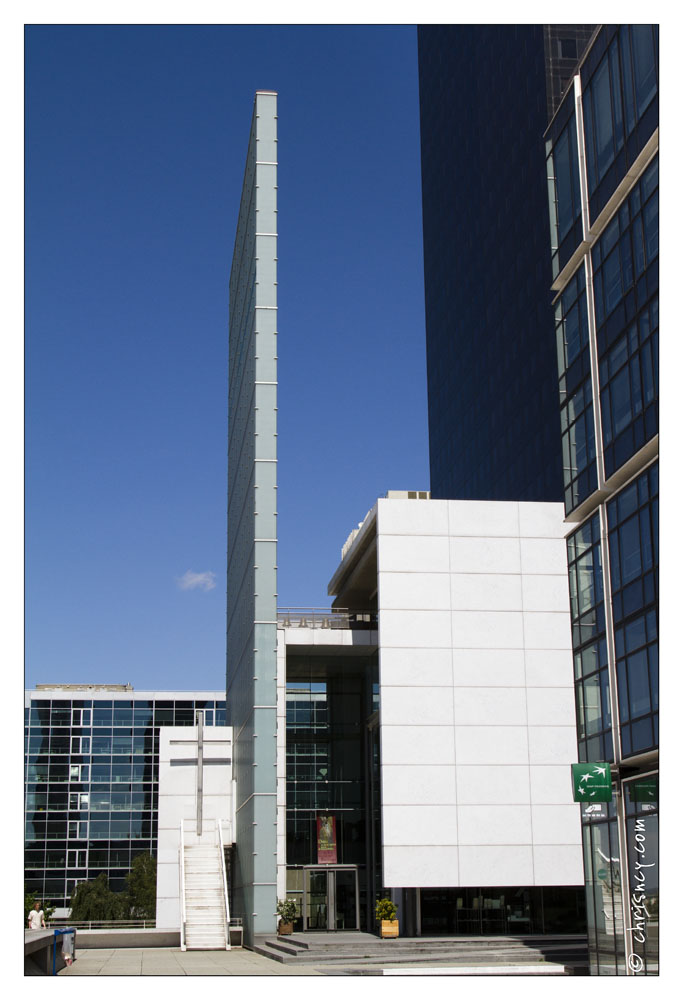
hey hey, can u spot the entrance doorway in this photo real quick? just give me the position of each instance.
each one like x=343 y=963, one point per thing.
x=331 y=898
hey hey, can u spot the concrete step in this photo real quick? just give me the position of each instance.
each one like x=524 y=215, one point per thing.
x=566 y=954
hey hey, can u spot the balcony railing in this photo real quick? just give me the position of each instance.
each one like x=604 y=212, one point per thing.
x=326 y=618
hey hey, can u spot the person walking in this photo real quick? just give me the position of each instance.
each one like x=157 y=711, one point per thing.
x=36 y=918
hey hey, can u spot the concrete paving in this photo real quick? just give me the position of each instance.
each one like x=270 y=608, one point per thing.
x=174 y=962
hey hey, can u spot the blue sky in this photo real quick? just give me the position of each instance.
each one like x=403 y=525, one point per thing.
x=135 y=145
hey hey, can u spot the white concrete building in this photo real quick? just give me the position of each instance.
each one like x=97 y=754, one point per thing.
x=463 y=610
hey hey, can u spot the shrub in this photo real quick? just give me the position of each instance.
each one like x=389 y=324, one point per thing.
x=385 y=909
x=286 y=908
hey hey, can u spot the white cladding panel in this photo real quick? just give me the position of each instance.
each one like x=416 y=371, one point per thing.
x=178 y=786
x=476 y=694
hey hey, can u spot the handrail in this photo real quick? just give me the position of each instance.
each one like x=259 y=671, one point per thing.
x=225 y=884
x=183 y=916
x=332 y=618
x=94 y=925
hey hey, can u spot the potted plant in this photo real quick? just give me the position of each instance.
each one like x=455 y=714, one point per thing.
x=385 y=915
x=286 y=909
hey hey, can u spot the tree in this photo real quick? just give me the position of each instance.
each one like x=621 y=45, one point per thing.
x=30 y=900
x=96 y=901
x=141 y=884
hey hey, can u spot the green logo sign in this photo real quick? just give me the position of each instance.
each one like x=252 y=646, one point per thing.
x=644 y=790
x=592 y=782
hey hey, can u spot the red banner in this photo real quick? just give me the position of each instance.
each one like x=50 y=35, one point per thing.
x=327 y=840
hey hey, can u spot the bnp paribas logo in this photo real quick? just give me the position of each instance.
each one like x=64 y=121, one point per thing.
x=592 y=782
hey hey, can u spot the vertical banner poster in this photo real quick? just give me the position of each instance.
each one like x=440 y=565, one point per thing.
x=327 y=840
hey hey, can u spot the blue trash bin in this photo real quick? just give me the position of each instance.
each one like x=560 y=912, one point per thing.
x=68 y=943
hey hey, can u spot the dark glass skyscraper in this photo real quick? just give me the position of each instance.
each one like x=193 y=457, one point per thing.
x=487 y=93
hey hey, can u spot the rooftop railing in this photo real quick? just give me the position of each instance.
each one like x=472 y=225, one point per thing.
x=326 y=618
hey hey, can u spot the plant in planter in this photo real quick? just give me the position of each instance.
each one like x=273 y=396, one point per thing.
x=385 y=915
x=286 y=909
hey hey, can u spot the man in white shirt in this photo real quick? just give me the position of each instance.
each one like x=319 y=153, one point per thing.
x=36 y=918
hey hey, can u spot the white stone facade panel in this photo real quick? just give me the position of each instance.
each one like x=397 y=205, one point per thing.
x=558 y=864
x=414 y=706
x=494 y=629
x=476 y=693
x=490 y=706
x=494 y=824
x=409 y=744
x=417 y=667
x=420 y=629
x=488 y=667
x=497 y=865
x=424 y=554
x=484 y=555
x=492 y=745
x=548 y=668
x=430 y=867
x=419 y=784
x=486 y=591
x=415 y=591
x=410 y=825
x=553 y=744
x=483 y=785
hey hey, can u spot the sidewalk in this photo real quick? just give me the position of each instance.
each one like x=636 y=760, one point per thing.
x=174 y=962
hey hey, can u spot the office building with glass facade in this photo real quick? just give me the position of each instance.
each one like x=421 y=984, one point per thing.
x=602 y=167
x=487 y=93
x=91 y=779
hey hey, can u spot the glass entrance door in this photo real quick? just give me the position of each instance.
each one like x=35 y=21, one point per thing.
x=345 y=901
x=316 y=901
x=331 y=899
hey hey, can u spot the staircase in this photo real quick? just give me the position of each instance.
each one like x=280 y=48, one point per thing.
x=206 y=922
x=351 y=952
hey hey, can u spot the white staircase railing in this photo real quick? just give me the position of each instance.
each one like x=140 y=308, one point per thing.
x=183 y=914
x=221 y=846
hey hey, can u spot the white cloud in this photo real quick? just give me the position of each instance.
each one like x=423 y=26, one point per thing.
x=194 y=581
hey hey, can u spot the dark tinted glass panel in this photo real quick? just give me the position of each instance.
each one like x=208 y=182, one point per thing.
x=488 y=352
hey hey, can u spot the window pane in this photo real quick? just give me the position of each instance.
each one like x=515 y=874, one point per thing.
x=612 y=278
x=645 y=70
x=563 y=181
x=621 y=401
x=651 y=222
x=639 y=688
x=627 y=75
x=603 y=119
x=616 y=94
x=638 y=249
x=630 y=550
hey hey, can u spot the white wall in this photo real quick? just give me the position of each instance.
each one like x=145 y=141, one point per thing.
x=477 y=697
x=178 y=801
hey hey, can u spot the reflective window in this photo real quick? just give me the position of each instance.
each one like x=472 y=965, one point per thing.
x=578 y=446
x=563 y=183
x=604 y=887
x=633 y=542
x=618 y=94
x=114 y=787
x=628 y=245
x=593 y=713
x=576 y=396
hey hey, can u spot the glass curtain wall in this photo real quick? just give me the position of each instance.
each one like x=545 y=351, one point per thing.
x=92 y=769
x=607 y=335
x=329 y=701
